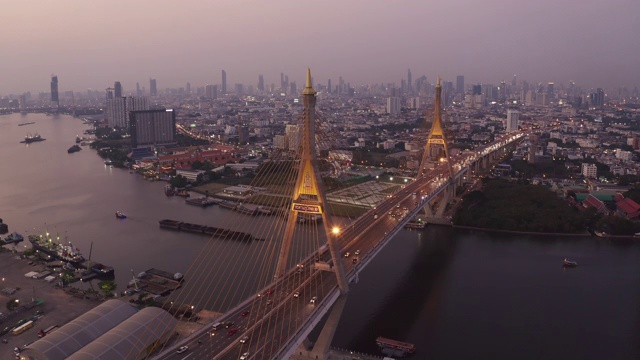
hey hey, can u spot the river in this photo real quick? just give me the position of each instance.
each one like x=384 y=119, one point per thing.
x=454 y=293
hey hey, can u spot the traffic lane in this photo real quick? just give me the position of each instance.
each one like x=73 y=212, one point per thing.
x=295 y=310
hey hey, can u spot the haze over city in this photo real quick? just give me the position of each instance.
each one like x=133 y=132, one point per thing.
x=91 y=44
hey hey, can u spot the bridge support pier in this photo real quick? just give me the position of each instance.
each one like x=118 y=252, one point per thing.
x=322 y=346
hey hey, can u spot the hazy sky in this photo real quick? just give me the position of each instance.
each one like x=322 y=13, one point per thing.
x=90 y=44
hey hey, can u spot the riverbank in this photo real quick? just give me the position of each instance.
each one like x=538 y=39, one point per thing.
x=514 y=232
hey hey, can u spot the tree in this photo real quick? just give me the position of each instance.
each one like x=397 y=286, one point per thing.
x=178 y=181
x=107 y=287
x=66 y=277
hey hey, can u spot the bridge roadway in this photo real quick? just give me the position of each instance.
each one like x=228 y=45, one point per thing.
x=275 y=321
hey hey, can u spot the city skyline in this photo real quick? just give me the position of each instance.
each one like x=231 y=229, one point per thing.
x=588 y=42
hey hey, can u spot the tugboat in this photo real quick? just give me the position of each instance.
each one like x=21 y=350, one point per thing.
x=74 y=148
x=568 y=263
x=121 y=215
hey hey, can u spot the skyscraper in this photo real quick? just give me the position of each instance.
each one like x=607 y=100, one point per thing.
x=117 y=89
x=54 y=90
x=460 y=84
x=512 y=120
x=260 y=82
x=152 y=127
x=224 y=82
x=329 y=86
x=409 y=82
x=138 y=91
x=153 y=90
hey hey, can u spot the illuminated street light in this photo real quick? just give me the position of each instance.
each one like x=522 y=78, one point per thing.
x=335 y=230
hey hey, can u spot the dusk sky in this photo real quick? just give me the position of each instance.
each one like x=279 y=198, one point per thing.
x=91 y=44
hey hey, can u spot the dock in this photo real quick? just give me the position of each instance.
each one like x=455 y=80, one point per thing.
x=216 y=232
x=158 y=282
x=202 y=201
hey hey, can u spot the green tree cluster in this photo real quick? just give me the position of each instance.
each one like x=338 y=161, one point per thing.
x=502 y=205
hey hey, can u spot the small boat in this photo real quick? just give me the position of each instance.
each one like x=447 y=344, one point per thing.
x=74 y=148
x=121 y=215
x=568 y=263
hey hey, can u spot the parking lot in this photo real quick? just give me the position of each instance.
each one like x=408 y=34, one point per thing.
x=57 y=308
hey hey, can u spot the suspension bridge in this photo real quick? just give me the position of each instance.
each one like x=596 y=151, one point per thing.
x=271 y=294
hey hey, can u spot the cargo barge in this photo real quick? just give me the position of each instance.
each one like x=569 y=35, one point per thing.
x=206 y=230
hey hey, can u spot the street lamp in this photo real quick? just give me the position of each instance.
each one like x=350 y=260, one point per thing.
x=335 y=230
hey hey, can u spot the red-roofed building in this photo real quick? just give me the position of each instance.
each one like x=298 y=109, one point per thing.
x=592 y=201
x=184 y=160
x=626 y=207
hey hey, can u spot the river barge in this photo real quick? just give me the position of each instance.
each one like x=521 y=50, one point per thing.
x=217 y=232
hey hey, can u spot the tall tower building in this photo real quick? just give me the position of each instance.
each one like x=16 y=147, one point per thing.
x=138 y=91
x=188 y=87
x=54 y=90
x=460 y=84
x=512 y=120
x=224 y=82
x=409 y=82
x=117 y=89
x=329 y=86
x=260 y=82
x=153 y=90
x=152 y=127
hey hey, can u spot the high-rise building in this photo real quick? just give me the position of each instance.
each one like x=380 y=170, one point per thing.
x=597 y=98
x=329 y=86
x=211 y=91
x=138 y=91
x=550 y=90
x=153 y=89
x=188 y=87
x=152 y=127
x=137 y=103
x=117 y=89
x=260 y=82
x=512 y=120
x=117 y=112
x=476 y=90
x=224 y=82
x=460 y=84
x=409 y=82
x=54 y=90
x=118 y=109
x=393 y=105
x=239 y=89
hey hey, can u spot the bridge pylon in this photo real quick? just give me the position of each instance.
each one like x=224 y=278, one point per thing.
x=309 y=195
x=436 y=137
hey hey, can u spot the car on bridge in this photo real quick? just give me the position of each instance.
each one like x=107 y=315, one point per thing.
x=244 y=356
x=244 y=340
x=347 y=254
x=313 y=299
x=296 y=294
x=182 y=349
x=232 y=332
x=357 y=252
x=228 y=324
x=244 y=313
